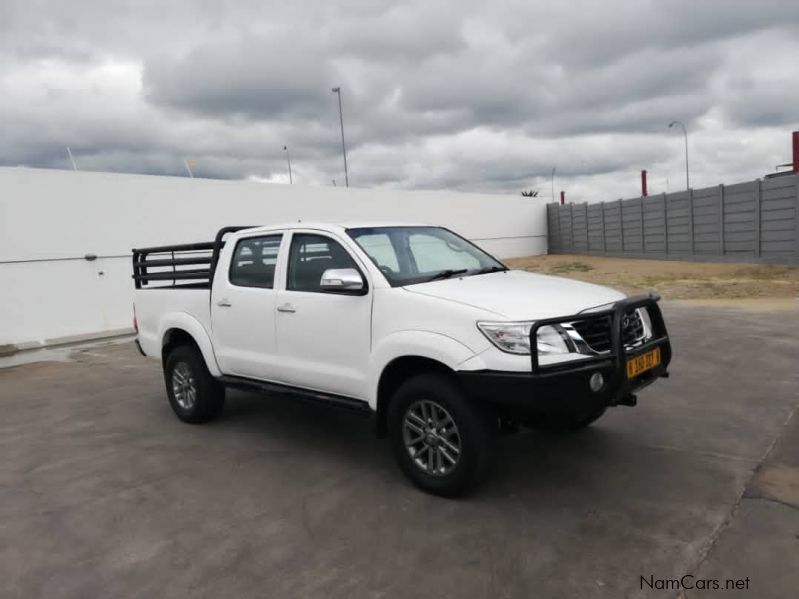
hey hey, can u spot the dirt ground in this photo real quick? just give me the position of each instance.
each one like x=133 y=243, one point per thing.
x=675 y=280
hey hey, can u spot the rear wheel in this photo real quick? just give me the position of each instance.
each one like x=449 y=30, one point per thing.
x=195 y=395
x=440 y=441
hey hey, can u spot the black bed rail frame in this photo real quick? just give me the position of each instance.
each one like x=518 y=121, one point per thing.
x=202 y=254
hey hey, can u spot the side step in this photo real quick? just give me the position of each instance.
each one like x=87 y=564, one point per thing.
x=329 y=399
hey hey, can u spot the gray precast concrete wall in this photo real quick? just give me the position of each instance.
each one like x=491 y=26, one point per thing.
x=755 y=221
x=50 y=220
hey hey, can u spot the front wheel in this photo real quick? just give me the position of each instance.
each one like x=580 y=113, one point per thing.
x=195 y=395
x=441 y=442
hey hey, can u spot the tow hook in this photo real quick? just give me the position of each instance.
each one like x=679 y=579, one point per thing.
x=628 y=400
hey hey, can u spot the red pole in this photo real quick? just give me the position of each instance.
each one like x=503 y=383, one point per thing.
x=796 y=151
x=562 y=198
x=643 y=184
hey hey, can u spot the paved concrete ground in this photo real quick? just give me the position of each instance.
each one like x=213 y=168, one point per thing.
x=103 y=493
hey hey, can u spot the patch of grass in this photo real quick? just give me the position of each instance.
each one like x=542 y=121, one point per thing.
x=672 y=280
x=570 y=267
x=770 y=272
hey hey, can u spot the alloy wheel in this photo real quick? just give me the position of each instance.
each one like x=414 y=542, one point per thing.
x=183 y=386
x=431 y=437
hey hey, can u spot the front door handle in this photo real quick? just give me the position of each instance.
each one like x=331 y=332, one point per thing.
x=286 y=308
x=224 y=303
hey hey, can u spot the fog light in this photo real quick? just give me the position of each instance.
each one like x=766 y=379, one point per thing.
x=596 y=382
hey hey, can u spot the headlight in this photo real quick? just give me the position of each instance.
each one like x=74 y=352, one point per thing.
x=511 y=337
x=514 y=337
x=647 y=322
x=551 y=340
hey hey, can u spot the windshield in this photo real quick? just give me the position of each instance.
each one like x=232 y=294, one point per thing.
x=408 y=255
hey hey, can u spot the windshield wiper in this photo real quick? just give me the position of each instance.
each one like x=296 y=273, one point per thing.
x=489 y=269
x=446 y=274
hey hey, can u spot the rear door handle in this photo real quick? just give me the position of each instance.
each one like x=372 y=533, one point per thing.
x=224 y=303
x=286 y=308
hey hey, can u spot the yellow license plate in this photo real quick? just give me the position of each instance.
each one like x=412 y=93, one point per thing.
x=643 y=363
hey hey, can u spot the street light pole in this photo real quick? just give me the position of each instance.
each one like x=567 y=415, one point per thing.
x=71 y=159
x=288 y=158
x=337 y=90
x=685 y=135
x=552 y=179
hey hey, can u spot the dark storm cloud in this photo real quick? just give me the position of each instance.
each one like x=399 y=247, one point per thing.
x=401 y=33
x=460 y=94
x=595 y=35
x=260 y=77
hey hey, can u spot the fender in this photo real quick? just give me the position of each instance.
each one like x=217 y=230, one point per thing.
x=424 y=344
x=186 y=322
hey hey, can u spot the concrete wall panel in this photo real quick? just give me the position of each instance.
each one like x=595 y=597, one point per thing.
x=756 y=221
x=50 y=219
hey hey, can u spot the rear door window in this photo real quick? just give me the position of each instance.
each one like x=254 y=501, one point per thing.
x=254 y=261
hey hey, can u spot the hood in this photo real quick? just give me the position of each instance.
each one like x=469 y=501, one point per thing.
x=520 y=295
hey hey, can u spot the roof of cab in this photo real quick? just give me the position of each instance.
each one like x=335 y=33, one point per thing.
x=329 y=226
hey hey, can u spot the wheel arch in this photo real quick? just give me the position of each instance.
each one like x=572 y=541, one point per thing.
x=405 y=353
x=394 y=374
x=183 y=329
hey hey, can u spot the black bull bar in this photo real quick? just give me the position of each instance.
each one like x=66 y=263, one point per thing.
x=619 y=354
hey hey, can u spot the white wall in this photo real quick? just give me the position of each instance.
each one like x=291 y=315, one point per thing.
x=50 y=219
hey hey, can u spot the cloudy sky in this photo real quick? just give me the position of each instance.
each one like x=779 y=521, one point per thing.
x=476 y=96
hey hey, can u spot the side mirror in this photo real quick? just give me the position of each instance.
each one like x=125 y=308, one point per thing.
x=342 y=280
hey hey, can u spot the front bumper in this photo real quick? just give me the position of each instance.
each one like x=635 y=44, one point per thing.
x=564 y=388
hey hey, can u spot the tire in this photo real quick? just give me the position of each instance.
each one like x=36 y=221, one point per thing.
x=566 y=423
x=428 y=462
x=195 y=395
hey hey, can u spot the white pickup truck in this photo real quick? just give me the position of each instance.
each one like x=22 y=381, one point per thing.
x=440 y=342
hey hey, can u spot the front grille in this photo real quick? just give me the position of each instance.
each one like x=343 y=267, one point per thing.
x=596 y=331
